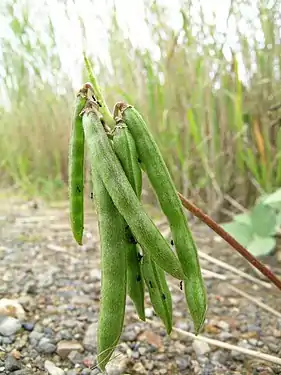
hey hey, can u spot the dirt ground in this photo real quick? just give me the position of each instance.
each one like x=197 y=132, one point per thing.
x=58 y=284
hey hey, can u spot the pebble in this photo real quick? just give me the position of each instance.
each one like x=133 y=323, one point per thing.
x=46 y=346
x=130 y=333
x=201 y=348
x=149 y=313
x=52 y=369
x=65 y=347
x=90 y=338
x=12 y=364
x=9 y=326
x=118 y=365
x=28 y=326
x=34 y=337
x=139 y=368
x=75 y=357
x=11 y=307
x=182 y=363
x=223 y=325
x=237 y=355
x=86 y=371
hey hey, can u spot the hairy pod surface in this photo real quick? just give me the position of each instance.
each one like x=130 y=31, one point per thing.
x=124 y=197
x=113 y=241
x=76 y=171
x=170 y=203
x=125 y=149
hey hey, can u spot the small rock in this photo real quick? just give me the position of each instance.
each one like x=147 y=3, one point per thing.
x=182 y=363
x=28 y=326
x=223 y=336
x=11 y=307
x=201 y=348
x=220 y=356
x=65 y=347
x=52 y=369
x=46 y=346
x=81 y=300
x=117 y=366
x=34 y=337
x=130 y=333
x=238 y=355
x=71 y=372
x=142 y=350
x=149 y=312
x=86 y=371
x=45 y=280
x=16 y=354
x=151 y=338
x=11 y=364
x=9 y=326
x=90 y=338
x=223 y=325
x=75 y=357
x=70 y=323
x=139 y=369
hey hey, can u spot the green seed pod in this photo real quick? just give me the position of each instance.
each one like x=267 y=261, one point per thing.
x=113 y=278
x=159 y=292
x=76 y=169
x=125 y=149
x=164 y=187
x=124 y=197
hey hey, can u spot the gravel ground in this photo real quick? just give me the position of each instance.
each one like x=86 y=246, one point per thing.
x=48 y=325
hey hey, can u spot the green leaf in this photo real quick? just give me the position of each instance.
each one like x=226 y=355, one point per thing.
x=274 y=198
x=261 y=246
x=243 y=219
x=278 y=220
x=263 y=220
x=241 y=232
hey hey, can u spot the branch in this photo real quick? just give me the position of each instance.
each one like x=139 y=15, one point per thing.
x=230 y=240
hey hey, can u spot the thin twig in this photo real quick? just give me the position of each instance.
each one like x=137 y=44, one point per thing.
x=256 y=301
x=224 y=345
x=228 y=267
x=212 y=274
x=231 y=241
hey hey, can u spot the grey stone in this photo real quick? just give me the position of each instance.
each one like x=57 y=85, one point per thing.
x=46 y=346
x=86 y=371
x=237 y=355
x=201 y=348
x=28 y=326
x=11 y=364
x=139 y=368
x=117 y=366
x=8 y=340
x=182 y=363
x=52 y=369
x=34 y=337
x=149 y=312
x=65 y=347
x=75 y=357
x=129 y=334
x=9 y=326
x=90 y=338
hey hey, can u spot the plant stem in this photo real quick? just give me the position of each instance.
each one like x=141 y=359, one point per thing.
x=231 y=241
x=103 y=109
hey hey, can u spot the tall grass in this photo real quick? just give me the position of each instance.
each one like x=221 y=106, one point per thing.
x=213 y=125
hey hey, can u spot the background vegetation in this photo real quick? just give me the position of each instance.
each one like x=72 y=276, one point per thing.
x=213 y=108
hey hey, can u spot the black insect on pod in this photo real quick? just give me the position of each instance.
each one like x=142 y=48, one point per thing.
x=132 y=240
